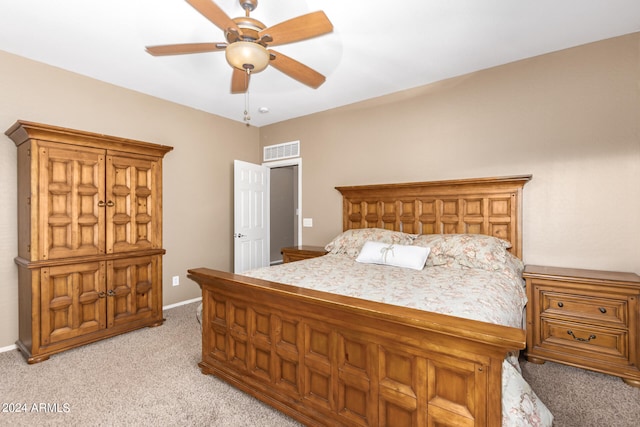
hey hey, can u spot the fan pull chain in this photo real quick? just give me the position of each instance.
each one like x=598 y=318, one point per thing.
x=247 y=117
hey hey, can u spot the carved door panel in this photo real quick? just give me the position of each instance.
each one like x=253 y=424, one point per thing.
x=71 y=200
x=133 y=204
x=73 y=301
x=131 y=293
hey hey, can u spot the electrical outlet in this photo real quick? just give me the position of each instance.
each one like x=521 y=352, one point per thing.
x=176 y=280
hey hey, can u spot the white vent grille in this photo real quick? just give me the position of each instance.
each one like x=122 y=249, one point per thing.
x=282 y=151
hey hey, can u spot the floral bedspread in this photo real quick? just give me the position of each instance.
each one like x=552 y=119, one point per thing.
x=491 y=296
x=470 y=293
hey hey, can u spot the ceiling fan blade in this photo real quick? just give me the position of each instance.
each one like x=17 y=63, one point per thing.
x=303 y=27
x=296 y=70
x=179 y=49
x=239 y=81
x=213 y=13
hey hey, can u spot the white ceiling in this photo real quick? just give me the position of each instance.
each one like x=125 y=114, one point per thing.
x=377 y=47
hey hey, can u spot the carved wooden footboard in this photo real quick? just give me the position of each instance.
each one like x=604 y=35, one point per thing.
x=326 y=359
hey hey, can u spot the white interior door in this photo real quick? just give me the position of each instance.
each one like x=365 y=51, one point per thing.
x=251 y=216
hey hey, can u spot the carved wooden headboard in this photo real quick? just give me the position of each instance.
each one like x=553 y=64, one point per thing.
x=490 y=206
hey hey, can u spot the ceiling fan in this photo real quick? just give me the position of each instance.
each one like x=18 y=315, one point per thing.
x=248 y=39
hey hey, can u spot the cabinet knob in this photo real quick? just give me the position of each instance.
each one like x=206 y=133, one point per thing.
x=111 y=293
x=602 y=310
x=101 y=294
x=560 y=304
x=101 y=204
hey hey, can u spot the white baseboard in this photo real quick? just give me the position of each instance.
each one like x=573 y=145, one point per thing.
x=8 y=348
x=166 y=307
x=178 y=304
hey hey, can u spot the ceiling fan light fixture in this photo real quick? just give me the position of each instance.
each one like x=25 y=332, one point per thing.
x=247 y=55
x=247 y=40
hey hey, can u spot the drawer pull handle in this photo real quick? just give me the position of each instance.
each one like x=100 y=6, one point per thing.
x=602 y=310
x=560 y=304
x=591 y=337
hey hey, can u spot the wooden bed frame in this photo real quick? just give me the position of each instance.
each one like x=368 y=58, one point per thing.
x=326 y=359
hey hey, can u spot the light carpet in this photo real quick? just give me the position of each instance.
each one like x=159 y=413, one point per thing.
x=150 y=377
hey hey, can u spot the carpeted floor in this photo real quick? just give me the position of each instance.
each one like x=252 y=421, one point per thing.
x=150 y=377
x=581 y=398
x=147 y=377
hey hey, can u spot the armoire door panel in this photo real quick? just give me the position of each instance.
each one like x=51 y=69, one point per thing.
x=71 y=190
x=132 y=222
x=73 y=301
x=131 y=289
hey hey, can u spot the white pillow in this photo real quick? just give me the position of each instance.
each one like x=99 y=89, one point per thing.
x=397 y=255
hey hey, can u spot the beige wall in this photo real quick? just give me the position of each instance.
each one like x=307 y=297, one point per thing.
x=198 y=173
x=570 y=118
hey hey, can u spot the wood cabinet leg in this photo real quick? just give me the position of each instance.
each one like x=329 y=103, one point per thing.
x=158 y=323
x=632 y=383
x=37 y=359
x=535 y=360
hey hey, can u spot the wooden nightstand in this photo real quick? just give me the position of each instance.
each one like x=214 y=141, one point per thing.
x=585 y=318
x=297 y=253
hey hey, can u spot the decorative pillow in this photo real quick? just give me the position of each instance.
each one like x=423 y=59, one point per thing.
x=351 y=242
x=465 y=250
x=397 y=255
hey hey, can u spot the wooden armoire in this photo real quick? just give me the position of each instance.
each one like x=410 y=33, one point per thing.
x=89 y=237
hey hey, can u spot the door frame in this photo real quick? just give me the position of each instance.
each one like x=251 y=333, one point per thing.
x=296 y=161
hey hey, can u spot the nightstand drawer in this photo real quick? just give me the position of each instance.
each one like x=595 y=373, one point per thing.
x=584 y=340
x=292 y=257
x=601 y=310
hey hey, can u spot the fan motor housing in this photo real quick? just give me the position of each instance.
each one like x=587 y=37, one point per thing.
x=250 y=28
